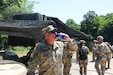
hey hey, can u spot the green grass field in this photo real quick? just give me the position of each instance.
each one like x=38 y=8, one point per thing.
x=20 y=50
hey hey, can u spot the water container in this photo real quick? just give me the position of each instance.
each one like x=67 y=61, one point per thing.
x=61 y=36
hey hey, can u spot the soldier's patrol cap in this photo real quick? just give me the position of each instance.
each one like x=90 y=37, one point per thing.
x=95 y=41
x=48 y=29
x=100 y=37
x=82 y=41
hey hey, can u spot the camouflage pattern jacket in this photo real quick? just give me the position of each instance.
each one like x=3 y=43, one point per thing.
x=102 y=49
x=49 y=58
x=69 y=49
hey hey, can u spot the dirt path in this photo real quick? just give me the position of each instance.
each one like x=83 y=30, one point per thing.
x=90 y=68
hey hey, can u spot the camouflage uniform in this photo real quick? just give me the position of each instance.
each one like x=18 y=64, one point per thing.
x=108 y=53
x=112 y=50
x=82 y=63
x=93 y=50
x=49 y=59
x=101 y=58
x=67 y=55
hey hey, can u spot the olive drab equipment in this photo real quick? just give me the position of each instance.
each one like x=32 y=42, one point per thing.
x=83 y=53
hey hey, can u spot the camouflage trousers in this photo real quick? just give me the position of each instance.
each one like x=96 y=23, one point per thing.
x=67 y=65
x=93 y=55
x=32 y=67
x=112 y=53
x=83 y=66
x=101 y=60
x=108 y=59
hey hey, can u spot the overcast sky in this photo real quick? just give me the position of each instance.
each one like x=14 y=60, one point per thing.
x=72 y=9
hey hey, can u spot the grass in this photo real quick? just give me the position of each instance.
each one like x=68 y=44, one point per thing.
x=20 y=50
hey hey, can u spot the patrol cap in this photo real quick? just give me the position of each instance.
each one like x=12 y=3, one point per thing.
x=48 y=29
x=100 y=37
x=95 y=41
x=82 y=41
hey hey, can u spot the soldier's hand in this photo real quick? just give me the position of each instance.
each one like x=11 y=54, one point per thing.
x=67 y=38
x=76 y=62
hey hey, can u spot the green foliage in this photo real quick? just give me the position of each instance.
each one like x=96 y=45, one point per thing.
x=99 y=23
x=89 y=16
x=95 y=25
x=14 y=7
x=7 y=3
x=107 y=32
x=107 y=28
x=88 y=25
x=19 y=50
x=71 y=23
x=3 y=41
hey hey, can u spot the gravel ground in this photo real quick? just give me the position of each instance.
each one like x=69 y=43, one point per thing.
x=90 y=68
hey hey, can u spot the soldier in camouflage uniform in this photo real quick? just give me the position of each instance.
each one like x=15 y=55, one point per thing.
x=67 y=55
x=109 y=50
x=93 y=49
x=82 y=62
x=101 y=56
x=48 y=54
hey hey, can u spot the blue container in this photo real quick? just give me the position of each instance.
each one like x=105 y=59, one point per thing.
x=60 y=36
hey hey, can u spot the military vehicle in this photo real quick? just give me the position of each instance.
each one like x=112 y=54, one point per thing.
x=25 y=30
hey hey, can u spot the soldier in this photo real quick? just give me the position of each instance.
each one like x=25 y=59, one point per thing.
x=101 y=56
x=112 y=50
x=93 y=49
x=82 y=57
x=67 y=55
x=109 y=50
x=48 y=54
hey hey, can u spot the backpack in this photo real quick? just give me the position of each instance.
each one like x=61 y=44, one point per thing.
x=83 y=53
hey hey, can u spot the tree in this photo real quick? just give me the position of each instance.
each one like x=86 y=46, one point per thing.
x=107 y=28
x=87 y=25
x=107 y=32
x=7 y=3
x=98 y=25
x=99 y=21
x=71 y=23
x=10 y=7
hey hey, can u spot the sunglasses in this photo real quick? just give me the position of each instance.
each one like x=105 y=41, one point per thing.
x=53 y=31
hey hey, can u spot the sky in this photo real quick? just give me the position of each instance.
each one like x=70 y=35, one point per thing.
x=72 y=9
